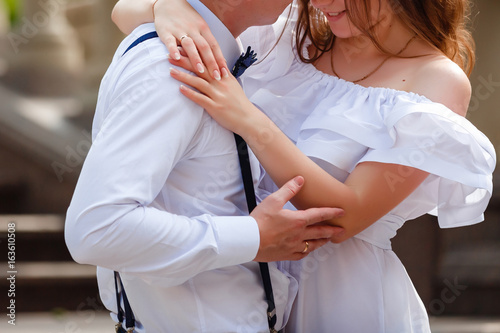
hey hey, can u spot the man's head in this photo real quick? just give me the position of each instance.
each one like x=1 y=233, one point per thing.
x=238 y=15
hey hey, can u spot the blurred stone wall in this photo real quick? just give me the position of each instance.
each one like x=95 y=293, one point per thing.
x=51 y=64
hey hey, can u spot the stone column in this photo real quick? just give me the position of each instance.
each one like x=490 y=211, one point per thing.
x=92 y=19
x=43 y=51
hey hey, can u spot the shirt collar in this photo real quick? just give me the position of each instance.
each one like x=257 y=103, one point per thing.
x=231 y=47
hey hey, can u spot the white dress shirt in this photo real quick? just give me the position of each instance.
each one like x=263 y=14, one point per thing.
x=158 y=199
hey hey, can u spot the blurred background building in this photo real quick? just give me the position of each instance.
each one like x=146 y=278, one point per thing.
x=52 y=58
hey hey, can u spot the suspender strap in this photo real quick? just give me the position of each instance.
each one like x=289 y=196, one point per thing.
x=141 y=39
x=129 y=315
x=246 y=173
x=244 y=62
x=120 y=290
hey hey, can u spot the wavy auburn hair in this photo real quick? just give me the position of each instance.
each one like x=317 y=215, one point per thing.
x=441 y=23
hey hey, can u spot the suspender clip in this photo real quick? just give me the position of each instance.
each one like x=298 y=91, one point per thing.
x=271 y=313
x=119 y=329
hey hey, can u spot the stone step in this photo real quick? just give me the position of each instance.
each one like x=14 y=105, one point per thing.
x=13 y=192
x=46 y=270
x=37 y=237
x=43 y=276
x=49 y=286
x=34 y=223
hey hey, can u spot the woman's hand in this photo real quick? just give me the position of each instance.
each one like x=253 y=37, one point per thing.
x=223 y=99
x=177 y=23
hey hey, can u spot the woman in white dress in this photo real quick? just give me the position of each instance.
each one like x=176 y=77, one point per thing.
x=369 y=107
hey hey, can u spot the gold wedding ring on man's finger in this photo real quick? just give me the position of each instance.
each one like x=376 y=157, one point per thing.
x=182 y=37
x=306 y=248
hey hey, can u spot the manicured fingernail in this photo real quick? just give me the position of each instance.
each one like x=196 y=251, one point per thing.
x=174 y=71
x=177 y=56
x=217 y=75
x=200 y=68
x=168 y=56
x=224 y=71
x=183 y=87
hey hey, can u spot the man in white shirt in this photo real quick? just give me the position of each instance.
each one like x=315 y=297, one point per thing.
x=160 y=197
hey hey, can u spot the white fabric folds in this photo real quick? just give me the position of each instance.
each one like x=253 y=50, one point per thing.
x=342 y=124
x=360 y=285
x=409 y=130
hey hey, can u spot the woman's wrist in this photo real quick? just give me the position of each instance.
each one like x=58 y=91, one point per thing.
x=258 y=130
x=153 y=8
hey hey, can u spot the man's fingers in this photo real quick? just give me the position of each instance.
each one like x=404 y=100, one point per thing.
x=316 y=215
x=315 y=244
x=322 y=231
x=289 y=190
x=310 y=245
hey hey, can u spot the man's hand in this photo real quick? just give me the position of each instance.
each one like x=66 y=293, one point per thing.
x=284 y=233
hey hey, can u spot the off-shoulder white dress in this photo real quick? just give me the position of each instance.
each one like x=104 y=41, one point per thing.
x=360 y=286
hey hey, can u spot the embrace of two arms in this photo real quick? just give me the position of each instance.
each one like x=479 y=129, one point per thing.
x=365 y=196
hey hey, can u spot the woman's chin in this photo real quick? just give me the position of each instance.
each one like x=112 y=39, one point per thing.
x=344 y=33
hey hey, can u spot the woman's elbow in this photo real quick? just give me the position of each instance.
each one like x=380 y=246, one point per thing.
x=351 y=226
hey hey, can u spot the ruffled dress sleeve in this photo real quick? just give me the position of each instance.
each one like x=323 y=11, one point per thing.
x=409 y=130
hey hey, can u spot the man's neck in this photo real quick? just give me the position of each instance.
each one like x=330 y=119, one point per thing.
x=226 y=12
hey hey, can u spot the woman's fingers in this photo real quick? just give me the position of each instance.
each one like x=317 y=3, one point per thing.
x=183 y=62
x=190 y=31
x=171 y=43
x=193 y=81
x=190 y=47
x=203 y=101
x=212 y=54
x=203 y=53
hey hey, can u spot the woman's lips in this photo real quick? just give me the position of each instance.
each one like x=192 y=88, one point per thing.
x=335 y=16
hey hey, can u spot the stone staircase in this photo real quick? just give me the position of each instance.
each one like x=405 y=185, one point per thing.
x=36 y=135
x=46 y=278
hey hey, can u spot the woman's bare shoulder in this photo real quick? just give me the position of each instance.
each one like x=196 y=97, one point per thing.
x=442 y=81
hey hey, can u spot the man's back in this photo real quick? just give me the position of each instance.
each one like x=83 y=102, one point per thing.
x=157 y=156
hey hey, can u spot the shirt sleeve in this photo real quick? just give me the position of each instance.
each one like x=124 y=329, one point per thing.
x=143 y=127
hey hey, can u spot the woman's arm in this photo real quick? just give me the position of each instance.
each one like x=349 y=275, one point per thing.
x=371 y=191
x=174 y=19
x=129 y=14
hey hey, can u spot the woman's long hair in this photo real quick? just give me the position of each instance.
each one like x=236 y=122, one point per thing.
x=442 y=23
